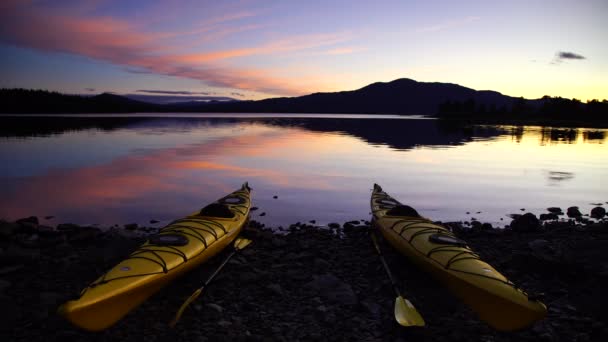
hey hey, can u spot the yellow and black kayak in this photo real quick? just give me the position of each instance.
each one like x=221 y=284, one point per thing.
x=178 y=248
x=436 y=250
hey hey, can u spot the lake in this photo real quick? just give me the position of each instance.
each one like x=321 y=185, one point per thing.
x=117 y=169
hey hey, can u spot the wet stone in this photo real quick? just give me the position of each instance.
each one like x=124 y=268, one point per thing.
x=598 y=212
x=526 y=223
x=573 y=212
x=215 y=307
x=549 y=216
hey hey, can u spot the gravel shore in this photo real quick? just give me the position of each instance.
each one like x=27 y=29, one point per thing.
x=305 y=283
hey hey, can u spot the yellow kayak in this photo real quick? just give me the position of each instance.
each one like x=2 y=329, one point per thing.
x=435 y=249
x=178 y=248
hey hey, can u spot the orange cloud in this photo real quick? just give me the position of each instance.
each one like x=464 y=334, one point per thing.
x=119 y=42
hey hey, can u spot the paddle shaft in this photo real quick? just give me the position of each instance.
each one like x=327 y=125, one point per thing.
x=199 y=291
x=385 y=264
x=219 y=269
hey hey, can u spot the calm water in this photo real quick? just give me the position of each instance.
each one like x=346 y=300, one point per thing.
x=117 y=170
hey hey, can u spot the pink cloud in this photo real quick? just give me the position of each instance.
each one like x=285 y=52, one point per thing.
x=344 y=51
x=120 y=42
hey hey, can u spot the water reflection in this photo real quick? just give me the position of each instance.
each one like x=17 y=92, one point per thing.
x=118 y=170
x=559 y=176
x=594 y=136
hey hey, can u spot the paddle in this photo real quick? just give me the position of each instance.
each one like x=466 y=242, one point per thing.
x=239 y=244
x=405 y=312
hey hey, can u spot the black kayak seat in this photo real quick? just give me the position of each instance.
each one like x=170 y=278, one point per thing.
x=444 y=239
x=403 y=210
x=217 y=210
x=168 y=240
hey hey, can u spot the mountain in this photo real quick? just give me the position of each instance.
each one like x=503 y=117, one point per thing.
x=17 y=101
x=402 y=96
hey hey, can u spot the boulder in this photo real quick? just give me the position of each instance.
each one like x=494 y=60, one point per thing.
x=31 y=219
x=549 y=216
x=555 y=210
x=68 y=227
x=7 y=229
x=526 y=223
x=28 y=225
x=573 y=212
x=486 y=226
x=131 y=226
x=598 y=212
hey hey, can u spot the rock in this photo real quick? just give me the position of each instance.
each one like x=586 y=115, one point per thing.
x=334 y=225
x=224 y=324
x=28 y=225
x=373 y=308
x=275 y=196
x=11 y=269
x=526 y=223
x=275 y=289
x=486 y=226
x=248 y=276
x=4 y=285
x=321 y=263
x=50 y=298
x=312 y=221
x=573 y=212
x=598 y=212
x=523 y=209
x=333 y=289
x=215 y=307
x=68 y=227
x=254 y=208
x=278 y=241
x=42 y=230
x=131 y=226
x=476 y=225
x=7 y=229
x=555 y=210
x=31 y=219
x=550 y=216
x=85 y=234
x=263 y=214
x=349 y=225
x=538 y=244
x=153 y=221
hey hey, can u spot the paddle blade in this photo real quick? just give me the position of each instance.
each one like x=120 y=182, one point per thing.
x=188 y=301
x=241 y=243
x=406 y=314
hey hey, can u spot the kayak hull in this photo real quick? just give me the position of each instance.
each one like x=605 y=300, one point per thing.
x=495 y=299
x=152 y=266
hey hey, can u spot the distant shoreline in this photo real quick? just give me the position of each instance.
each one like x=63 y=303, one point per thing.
x=473 y=120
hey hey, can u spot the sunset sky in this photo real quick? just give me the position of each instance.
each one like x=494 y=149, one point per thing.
x=259 y=49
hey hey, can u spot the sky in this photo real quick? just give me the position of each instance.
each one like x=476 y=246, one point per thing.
x=250 y=49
